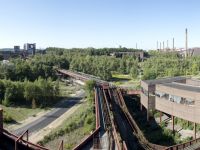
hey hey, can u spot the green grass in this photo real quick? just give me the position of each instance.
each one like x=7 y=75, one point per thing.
x=67 y=89
x=18 y=113
x=121 y=76
x=125 y=80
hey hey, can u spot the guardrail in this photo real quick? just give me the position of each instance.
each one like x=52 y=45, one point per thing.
x=138 y=133
x=114 y=130
x=87 y=139
x=183 y=145
x=19 y=140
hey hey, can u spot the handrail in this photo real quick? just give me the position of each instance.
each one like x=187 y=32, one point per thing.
x=32 y=145
x=20 y=137
x=183 y=145
x=116 y=139
x=86 y=139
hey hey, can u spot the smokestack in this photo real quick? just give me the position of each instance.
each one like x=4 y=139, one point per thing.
x=160 y=46
x=157 y=46
x=167 y=45
x=186 y=42
x=136 y=45
x=163 y=45
x=173 y=45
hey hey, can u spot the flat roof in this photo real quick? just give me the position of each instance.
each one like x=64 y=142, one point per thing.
x=164 y=80
x=182 y=86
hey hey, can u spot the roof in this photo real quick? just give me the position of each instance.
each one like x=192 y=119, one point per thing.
x=164 y=80
x=182 y=86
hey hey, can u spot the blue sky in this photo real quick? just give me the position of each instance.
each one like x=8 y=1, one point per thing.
x=98 y=23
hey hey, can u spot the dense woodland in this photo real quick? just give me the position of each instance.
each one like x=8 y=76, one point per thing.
x=23 y=81
x=169 y=64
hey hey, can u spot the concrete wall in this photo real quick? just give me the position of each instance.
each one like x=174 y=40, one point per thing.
x=179 y=92
x=187 y=112
x=144 y=100
x=144 y=85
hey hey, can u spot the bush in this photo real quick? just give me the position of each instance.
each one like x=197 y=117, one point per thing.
x=7 y=118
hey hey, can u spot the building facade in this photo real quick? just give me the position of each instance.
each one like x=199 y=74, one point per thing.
x=30 y=48
x=177 y=97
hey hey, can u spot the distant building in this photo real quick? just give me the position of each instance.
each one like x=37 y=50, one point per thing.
x=6 y=53
x=137 y=54
x=16 y=49
x=30 y=48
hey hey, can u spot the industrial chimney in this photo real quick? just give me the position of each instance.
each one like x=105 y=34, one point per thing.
x=186 y=42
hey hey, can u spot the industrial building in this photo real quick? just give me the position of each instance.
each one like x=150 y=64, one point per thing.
x=176 y=96
x=138 y=54
x=30 y=48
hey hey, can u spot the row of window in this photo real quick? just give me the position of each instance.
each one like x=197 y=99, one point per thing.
x=176 y=99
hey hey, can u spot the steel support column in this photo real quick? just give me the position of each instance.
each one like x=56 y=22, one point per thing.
x=1 y=121
x=148 y=115
x=173 y=124
x=195 y=131
x=160 y=117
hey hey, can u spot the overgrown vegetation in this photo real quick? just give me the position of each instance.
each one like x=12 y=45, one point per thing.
x=89 y=88
x=40 y=93
x=154 y=132
x=169 y=64
x=82 y=119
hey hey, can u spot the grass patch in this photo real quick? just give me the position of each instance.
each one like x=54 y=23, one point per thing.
x=121 y=76
x=67 y=89
x=12 y=114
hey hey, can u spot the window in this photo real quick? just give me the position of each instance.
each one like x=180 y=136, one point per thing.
x=174 y=98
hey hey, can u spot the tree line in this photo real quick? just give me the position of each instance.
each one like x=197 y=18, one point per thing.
x=40 y=93
x=169 y=64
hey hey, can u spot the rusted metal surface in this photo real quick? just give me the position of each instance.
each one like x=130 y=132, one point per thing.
x=86 y=140
x=1 y=122
x=19 y=140
x=21 y=137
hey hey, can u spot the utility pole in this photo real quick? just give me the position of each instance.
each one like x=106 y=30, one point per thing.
x=173 y=45
x=186 y=42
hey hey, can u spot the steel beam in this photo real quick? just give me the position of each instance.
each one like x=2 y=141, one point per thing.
x=1 y=121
